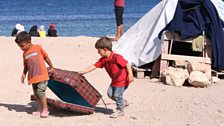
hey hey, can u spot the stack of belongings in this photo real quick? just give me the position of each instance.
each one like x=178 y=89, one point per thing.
x=74 y=91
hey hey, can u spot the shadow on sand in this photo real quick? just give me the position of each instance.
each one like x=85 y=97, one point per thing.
x=20 y=108
x=57 y=112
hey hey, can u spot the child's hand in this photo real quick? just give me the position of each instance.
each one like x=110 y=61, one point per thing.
x=23 y=78
x=80 y=72
x=130 y=78
x=52 y=71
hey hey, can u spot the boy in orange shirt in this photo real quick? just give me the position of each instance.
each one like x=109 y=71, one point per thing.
x=34 y=58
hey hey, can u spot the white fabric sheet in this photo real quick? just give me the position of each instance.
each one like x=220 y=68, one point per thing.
x=219 y=5
x=140 y=44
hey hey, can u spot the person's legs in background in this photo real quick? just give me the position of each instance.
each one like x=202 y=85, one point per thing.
x=119 y=21
x=120 y=31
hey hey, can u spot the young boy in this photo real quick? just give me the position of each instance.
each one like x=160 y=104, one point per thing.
x=33 y=59
x=118 y=69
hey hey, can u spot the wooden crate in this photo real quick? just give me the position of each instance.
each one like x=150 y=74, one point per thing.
x=141 y=73
x=219 y=74
x=170 y=38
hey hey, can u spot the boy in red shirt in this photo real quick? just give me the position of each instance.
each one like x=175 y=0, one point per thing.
x=118 y=69
x=34 y=58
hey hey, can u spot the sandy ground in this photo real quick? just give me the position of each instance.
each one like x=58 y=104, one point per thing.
x=152 y=103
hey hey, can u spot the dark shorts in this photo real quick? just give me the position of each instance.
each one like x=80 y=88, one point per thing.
x=119 y=15
x=39 y=89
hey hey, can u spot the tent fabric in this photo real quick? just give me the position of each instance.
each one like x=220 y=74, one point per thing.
x=216 y=35
x=219 y=5
x=188 y=20
x=192 y=17
x=140 y=44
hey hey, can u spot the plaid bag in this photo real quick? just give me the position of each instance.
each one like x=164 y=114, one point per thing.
x=74 y=90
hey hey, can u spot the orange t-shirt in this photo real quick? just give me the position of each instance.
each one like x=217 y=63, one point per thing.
x=34 y=61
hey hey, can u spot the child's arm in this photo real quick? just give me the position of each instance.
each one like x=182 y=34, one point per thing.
x=47 y=59
x=130 y=74
x=24 y=74
x=87 y=70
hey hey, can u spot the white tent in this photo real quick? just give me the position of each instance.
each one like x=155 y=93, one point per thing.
x=219 y=5
x=140 y=44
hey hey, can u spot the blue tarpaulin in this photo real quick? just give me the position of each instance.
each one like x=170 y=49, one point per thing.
x=192 y=17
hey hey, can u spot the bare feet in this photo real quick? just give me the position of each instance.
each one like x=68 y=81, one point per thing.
x=44 y=114
x=37 y=113
x=114 y=39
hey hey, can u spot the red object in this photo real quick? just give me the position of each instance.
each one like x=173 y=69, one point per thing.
x=115 y=66
x=52 y=25
x=119 y=3
x=75 y=92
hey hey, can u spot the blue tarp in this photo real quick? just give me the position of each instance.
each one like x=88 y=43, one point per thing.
x=192 y=17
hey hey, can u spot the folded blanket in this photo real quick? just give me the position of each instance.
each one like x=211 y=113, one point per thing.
x=198 y=44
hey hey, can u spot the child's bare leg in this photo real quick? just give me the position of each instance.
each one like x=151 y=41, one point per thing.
x=44 y=112
x=43 y=102
x=39 y=91
x=39 y=108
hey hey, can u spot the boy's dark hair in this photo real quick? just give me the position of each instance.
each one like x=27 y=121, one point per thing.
x=104 y=42
x=23 y=37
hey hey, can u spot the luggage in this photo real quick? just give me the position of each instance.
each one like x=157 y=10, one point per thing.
x=76 y=93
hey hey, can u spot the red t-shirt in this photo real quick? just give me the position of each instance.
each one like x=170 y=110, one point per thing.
x=119 y=3
x=115 y=66
x=34 y=61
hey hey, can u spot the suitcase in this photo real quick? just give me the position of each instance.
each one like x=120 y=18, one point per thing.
x=74 y=91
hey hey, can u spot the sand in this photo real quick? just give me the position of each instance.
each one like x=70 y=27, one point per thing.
x=151 y=103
